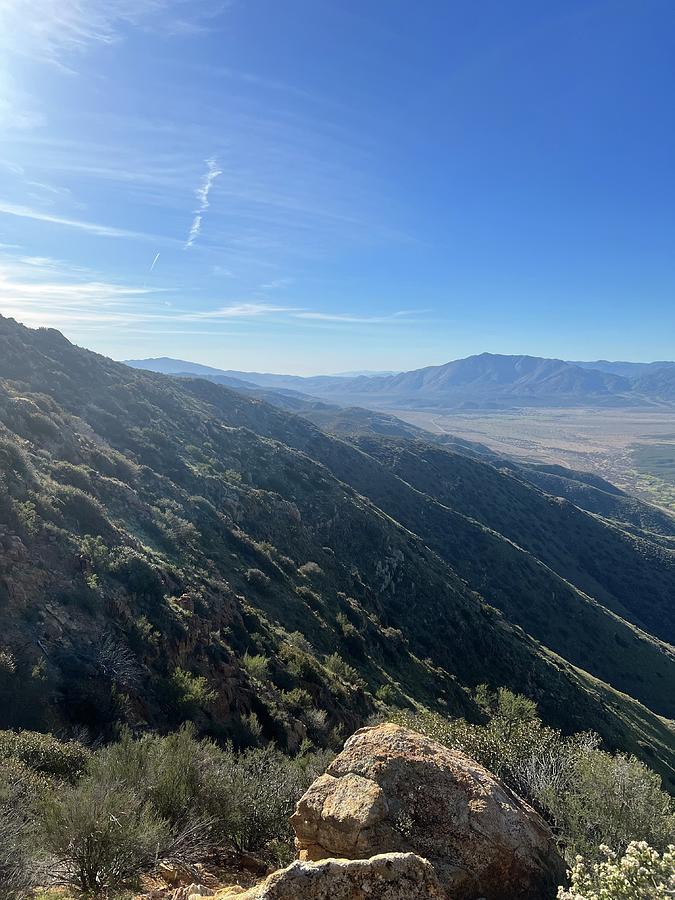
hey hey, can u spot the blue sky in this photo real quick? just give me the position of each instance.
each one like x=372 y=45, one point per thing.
x=324 y=185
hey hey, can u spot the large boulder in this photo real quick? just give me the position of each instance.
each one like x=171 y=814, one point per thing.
x=392 y=789
x=389 y=876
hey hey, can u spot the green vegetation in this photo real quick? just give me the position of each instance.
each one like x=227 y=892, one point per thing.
x=655 y=464
x=101 y=818
x=137 y=802
x=172 y=551
x=657 y=458
x=639 y=874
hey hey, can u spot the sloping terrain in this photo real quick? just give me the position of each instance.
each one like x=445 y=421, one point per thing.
x=659 y=382
x=629 y=370
x=172 y=549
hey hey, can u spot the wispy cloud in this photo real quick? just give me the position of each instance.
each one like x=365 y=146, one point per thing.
x=26 y=212
x=202 y=195
x=44 y=291
x=61 y=27
x=242 y=311
x=403 y=315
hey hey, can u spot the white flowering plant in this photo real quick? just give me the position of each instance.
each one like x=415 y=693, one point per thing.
x=642 y=873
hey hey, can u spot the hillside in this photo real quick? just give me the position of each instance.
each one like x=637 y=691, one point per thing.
x=629 y=370
x=659 y=382
x=174 y=549
x=487 y=381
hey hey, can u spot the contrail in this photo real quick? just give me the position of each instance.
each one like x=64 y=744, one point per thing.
x=154 y=262
x=202 y=194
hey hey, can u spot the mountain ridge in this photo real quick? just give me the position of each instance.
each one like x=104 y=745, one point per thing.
x=482 y=381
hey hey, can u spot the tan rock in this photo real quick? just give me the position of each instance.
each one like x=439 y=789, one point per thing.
x=176 y=873
x=192 y=892
x=389 y=876
x=392 y=789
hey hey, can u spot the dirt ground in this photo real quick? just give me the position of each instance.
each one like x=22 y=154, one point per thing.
x=607 y=442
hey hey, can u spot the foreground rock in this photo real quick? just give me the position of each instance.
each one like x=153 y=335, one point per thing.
x=392 y=789
x=389 y=876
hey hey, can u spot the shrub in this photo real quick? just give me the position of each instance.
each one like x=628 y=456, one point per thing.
x=83 y=511
x=95 y=550
x=310 y=569
x=613 y=800
x=189 y=693
x=257 y=578
x=163 y=771
x=135 y=573
x=44 y=753
x=18 y=791
x=296 y=701
x=166 y=773
x=387 y=693
x=256 y=665
x=640 y=874
x=251 y=796
x=101 y=834
x=336 y=664
x=311 y=598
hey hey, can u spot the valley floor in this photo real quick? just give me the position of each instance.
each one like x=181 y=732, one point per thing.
x=634 y=449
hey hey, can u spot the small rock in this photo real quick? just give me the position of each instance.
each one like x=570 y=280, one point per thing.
x=388 y=876
x=192 y=892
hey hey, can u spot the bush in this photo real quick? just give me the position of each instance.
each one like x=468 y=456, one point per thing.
x=387 y=694
x=189 y=693
x=640 y=874
x=613 y=800
x=44 y=753
x=256 y=665
x=18 y=791
x=296 y=701
x=135 y=573
x=101 y=834
x=137 y=801
x=257 y=578
x=342 y=670
x=163 y=771
x=251 y=796
x=310 y=570
x=84 y=512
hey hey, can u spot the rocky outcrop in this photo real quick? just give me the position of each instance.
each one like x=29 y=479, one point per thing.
x=389 y=876
x=392 y=789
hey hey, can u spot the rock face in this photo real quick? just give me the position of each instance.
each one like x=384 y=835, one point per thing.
x=389 y=876
x=392 y=789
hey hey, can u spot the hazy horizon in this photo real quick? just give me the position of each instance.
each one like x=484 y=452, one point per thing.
x=370 y=372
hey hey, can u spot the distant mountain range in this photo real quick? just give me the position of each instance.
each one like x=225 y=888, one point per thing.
x=485 y=381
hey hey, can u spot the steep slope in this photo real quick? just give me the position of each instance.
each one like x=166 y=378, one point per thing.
x=594 y=494
x=509 y=576
x=156 y=529
x=632 y=576
x=659 y=383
